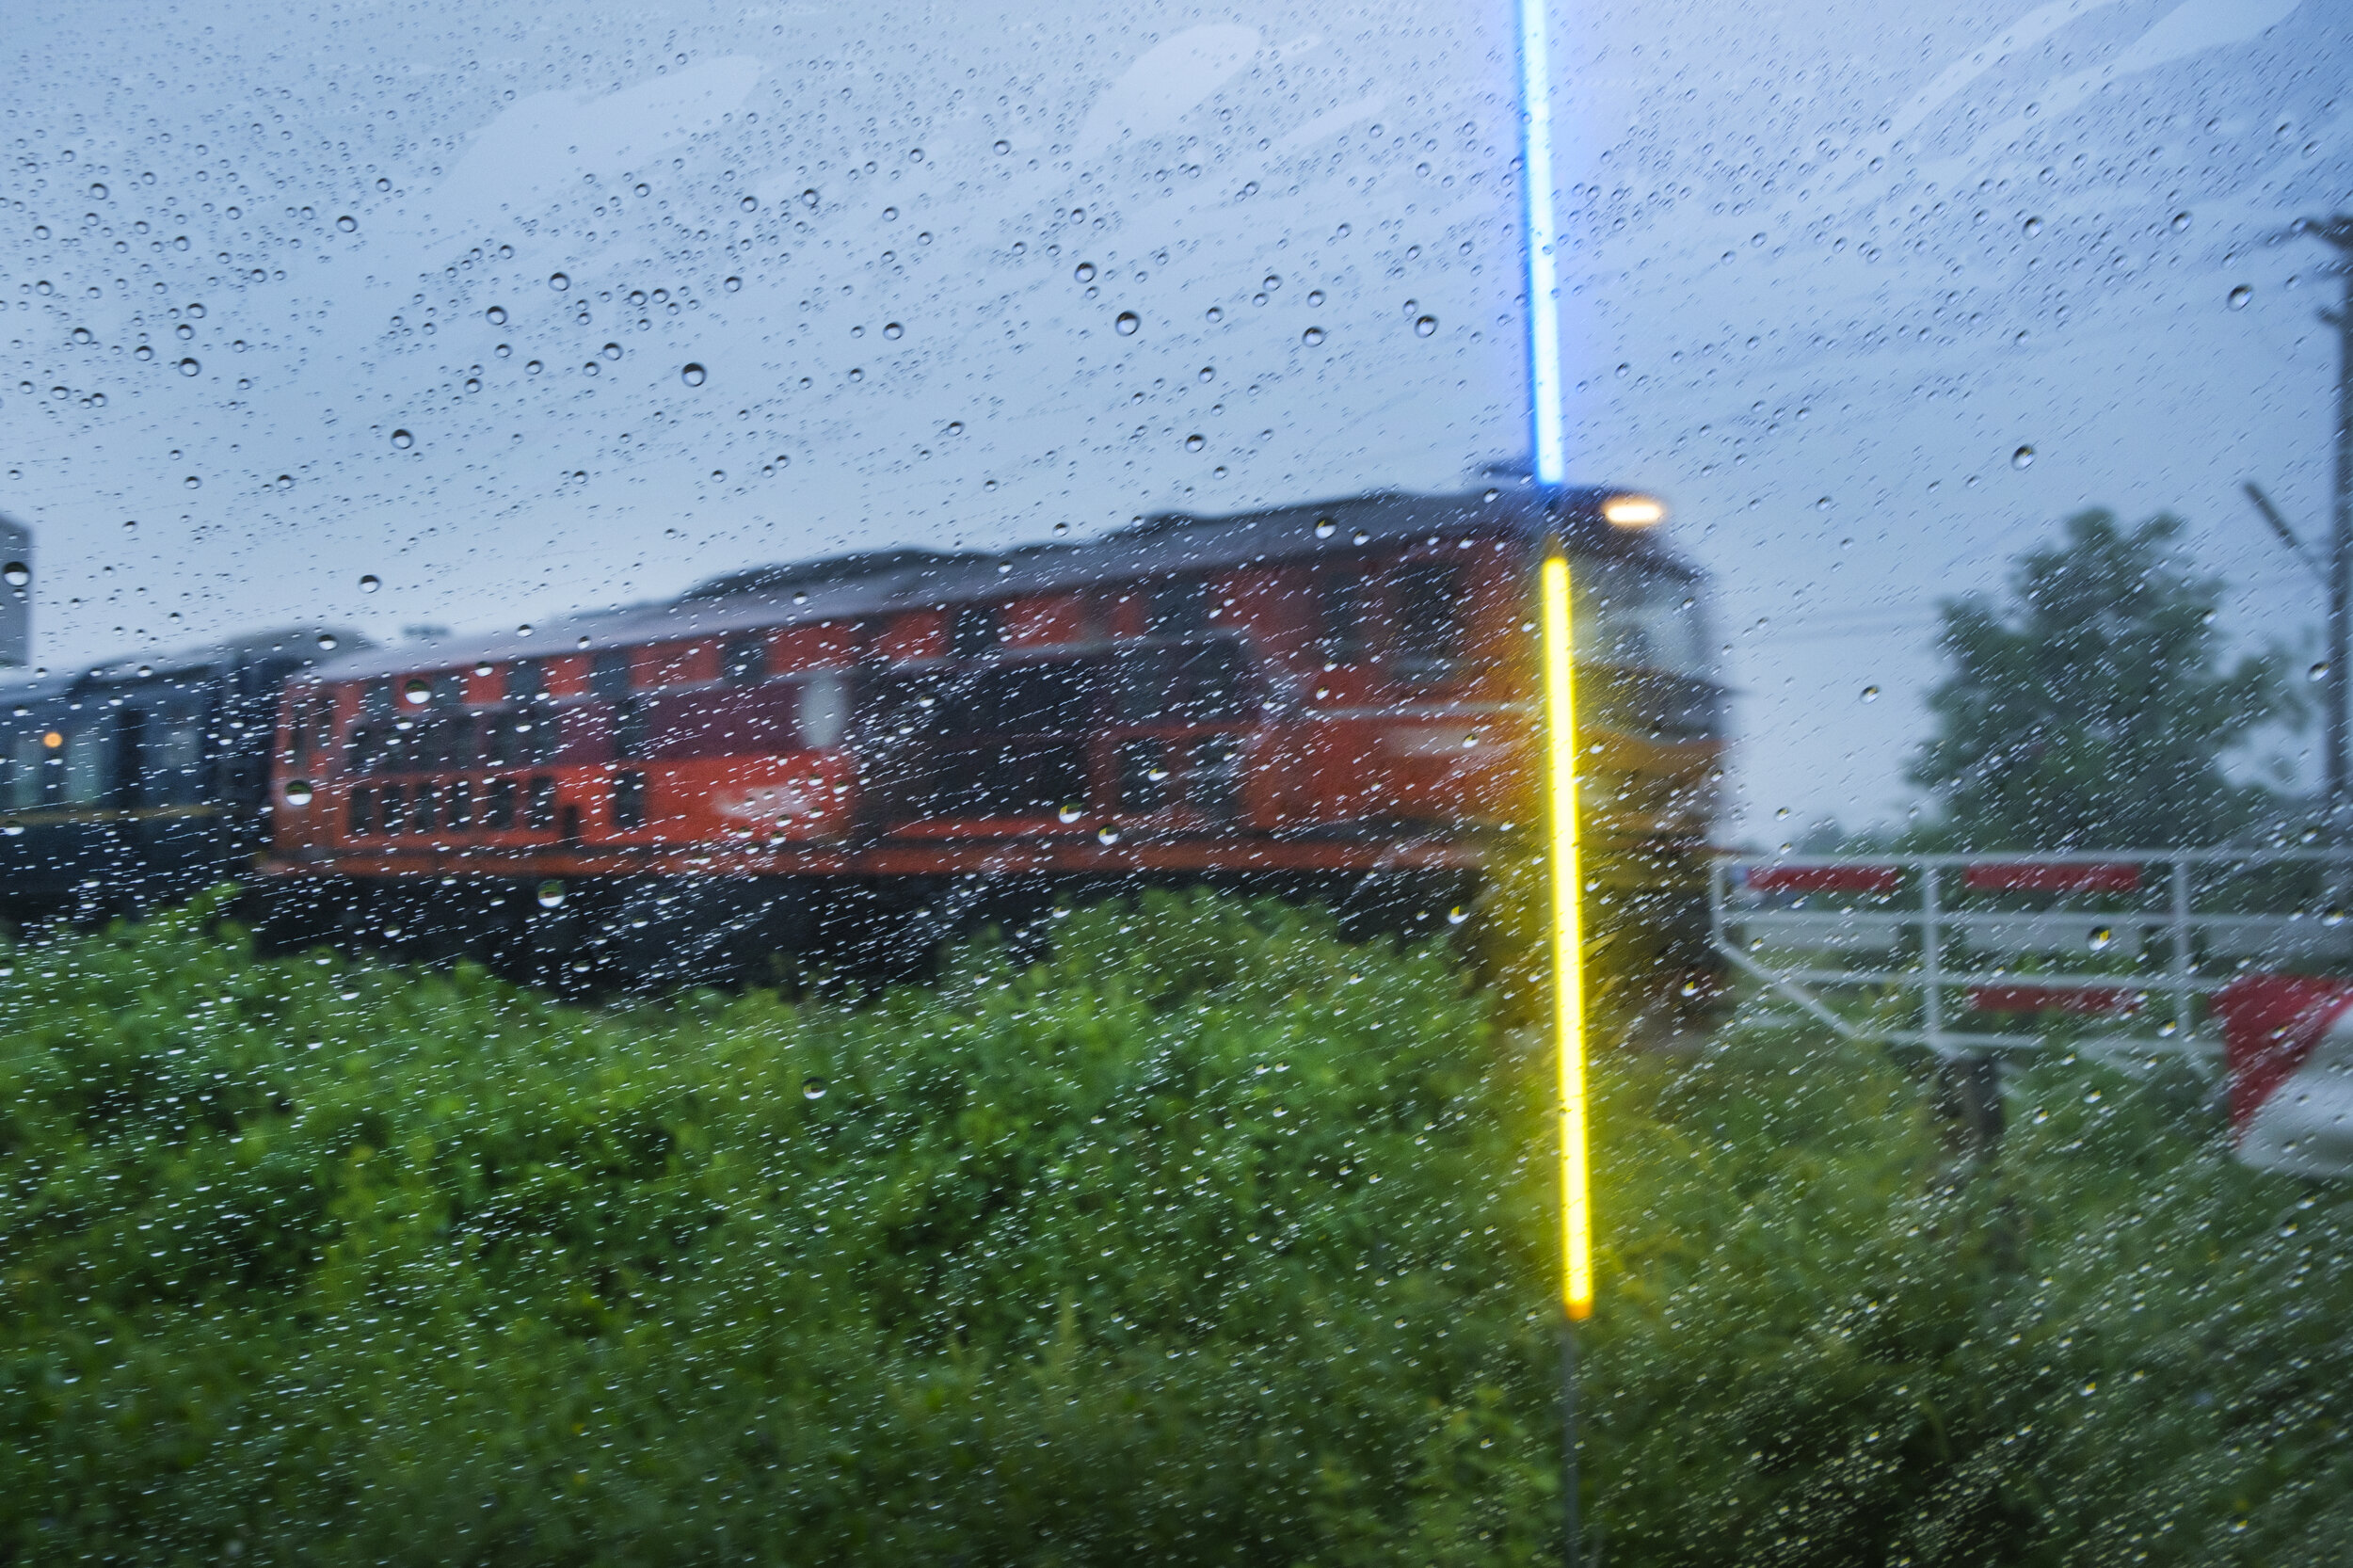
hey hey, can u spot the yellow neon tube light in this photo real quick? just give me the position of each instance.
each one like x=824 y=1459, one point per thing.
x=1568 y=946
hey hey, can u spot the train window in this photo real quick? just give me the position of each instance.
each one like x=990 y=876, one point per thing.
x=1024 y=699
x=1142 y=682
x=1143 y=776
x=1211 y=781
x=825 y=709
x=1177 y=607
x=424 y=810
x=629 y=729
x=377 y=699
x=526 y=681
x=609 y=677
x=1429 y=618
x=1340 y=602
x=1211 y=681
x=539 y=805
x=498 y=806
x=88 y=764
x=629 y=802
x=391 y=816
x=360 y=811
x=457 y=809
x=28 y=776
x=743 y=658
x=976 y=630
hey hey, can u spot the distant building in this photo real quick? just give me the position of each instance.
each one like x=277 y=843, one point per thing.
x=16 y=593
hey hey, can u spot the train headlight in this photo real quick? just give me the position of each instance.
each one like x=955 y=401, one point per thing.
x=1634 y=511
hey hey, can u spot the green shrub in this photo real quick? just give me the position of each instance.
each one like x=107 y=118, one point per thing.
x=1208 y=1239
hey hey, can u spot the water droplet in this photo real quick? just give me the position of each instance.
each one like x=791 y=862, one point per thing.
x=1195 y=444
x=189 y=367
x=559 y=282
x=2332 y=916
x=2023 y=457
x=809 y=199
x=524 y=630
x=1107 y=835
x=1272 y=283
x=1216 y=314
x=2181 y=221
x=892 y=330
x=1000 y=149
x=812 y=1088
x=2034 y=226
x=2319 y=671
x=495 y=315
x=1083 y=272
x=1821 y=504
x=1071 y=812
x=551 y=894
x=297 y=792
x=2240 y=296
x=1870 y=694
x=749 y=203
x=143 y=353
x=193 y=483
x=1325 y=527
x=369 y=583
x=348 y=224
x=1127 y=324
x=611 y=351
x=327 y=641
x=1312 y=336
x=416 y=690
x=694 y=376
x=16 y=574
x=2099 y=938
x=403 y=441
x=1424 y=326
x=732 y=284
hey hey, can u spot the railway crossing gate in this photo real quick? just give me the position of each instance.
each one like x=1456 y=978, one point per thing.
x=1979 y=955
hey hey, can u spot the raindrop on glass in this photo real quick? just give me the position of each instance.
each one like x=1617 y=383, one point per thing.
x=1083 y=272
x=348 y=224
x=1127 y=324
x=2023 y=457
x=2240 y=296
x=495 y=315
x=1070 y=812
x=327 y=641
x=551 y=894
x=16 y=574
x=812 y=1088
x=1325 y=527
x=1195 y=444
x=2319 y=671
x=189 y=367
x=403 y=441
x=297 y=792
x=559 y=282
x=892 y=330
x=2034 y=226
x=416 y=690
x=1870 y=694
x=369 y=583
x=1424 y=326
x=694 y=376
x=1312 y=336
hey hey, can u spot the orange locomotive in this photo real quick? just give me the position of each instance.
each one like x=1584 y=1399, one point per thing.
x=1330 y=695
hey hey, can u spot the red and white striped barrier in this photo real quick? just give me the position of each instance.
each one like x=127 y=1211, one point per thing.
x=2288 y=1043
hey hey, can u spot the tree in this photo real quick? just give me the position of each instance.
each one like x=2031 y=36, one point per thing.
x=2091 y=710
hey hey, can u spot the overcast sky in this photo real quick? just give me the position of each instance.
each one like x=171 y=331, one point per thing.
x=522 y=310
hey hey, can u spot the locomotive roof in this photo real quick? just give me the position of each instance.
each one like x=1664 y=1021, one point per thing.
x=877 y=581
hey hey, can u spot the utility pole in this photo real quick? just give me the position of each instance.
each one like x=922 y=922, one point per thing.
x=2335 y=565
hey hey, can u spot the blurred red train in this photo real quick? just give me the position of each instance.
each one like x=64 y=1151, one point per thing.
x=1326 y=694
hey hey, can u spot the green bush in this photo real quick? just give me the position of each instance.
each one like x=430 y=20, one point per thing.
x=1209 y=1239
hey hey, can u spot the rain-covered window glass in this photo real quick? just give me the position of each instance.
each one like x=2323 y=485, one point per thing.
x=1513 y=782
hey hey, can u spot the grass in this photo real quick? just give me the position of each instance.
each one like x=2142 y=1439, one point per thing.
x=1208 y=1239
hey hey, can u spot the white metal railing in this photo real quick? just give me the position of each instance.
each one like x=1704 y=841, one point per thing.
x=1968 y=954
